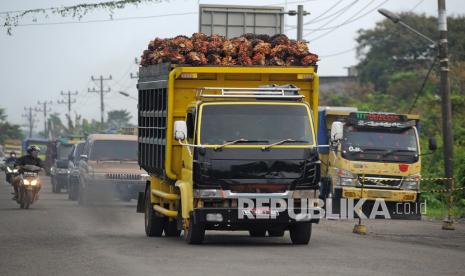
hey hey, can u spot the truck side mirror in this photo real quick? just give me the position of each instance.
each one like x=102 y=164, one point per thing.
x=84 y=157
x=180 y=130
x=336 y=131
x=432 y=145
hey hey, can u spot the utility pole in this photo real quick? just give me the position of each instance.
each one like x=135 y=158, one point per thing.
x=101 y=91
x=44 y=109
x=300 y=19
x=69 y=101
x=29 y=119
x=447 y=131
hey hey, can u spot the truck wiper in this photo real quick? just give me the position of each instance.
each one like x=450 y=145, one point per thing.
x=289 y=140
x=242 y=140
x=389 y=152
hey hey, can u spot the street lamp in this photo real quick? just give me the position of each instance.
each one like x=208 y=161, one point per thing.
x=127 y=95
x=396 y=19
x=447 y=133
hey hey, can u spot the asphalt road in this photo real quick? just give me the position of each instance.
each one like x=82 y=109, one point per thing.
x=58 y=237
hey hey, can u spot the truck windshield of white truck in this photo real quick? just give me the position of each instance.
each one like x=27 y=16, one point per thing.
x=108 y=150
x=255 y=124
x=399 y=145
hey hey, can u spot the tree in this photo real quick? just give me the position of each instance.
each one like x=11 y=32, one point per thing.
x=118 y=118
x=389 y=48
x=7 y=130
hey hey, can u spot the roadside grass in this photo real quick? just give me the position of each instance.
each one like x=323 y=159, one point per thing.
x=440 y=212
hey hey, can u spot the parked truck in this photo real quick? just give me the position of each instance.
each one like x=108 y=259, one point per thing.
x=211 y=137
x=371 y=155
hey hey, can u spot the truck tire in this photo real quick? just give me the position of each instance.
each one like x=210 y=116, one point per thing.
x=275 y=232
x=195 y=234
x=154 y=223
x=257 y=232
x=300 y=233
x=171 y=228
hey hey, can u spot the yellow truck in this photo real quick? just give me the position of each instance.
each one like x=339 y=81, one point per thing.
x=212 y=138
x=371 y=155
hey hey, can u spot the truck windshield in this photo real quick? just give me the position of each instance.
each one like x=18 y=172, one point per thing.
x=383 y=145
x=256 y=123
x=114 y=150
x=64 y=151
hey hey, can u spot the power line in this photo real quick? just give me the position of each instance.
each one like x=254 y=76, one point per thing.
x=339 y=53
x=104 y=20
x=345 y=21
x=314 y=20
x=354 y=48
x=339 y=14
x=423 y=84
x=350 y=20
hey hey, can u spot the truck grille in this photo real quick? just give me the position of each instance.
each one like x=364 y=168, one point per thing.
x=381 y=181
x=123 y=176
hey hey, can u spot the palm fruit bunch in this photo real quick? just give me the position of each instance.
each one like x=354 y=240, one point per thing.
x=246 y=50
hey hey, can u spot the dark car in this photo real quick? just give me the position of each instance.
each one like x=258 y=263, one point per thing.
x=73 y=167
x=59 y=172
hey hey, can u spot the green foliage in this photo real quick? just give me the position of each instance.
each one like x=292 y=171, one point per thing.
x=118 y=118
x=7 y=130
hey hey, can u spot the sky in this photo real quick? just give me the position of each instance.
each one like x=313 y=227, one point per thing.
x=37 y=62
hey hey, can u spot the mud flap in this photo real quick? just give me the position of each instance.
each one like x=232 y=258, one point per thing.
x=141 y=202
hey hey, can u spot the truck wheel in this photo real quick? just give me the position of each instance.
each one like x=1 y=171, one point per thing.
x=257 y=232
x=275 y=232
x=171 y=228
x=153 y=222
x=195 y=234
x=300 y=233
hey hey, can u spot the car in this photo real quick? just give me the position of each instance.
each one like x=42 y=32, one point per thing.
x=108 y=168
x=73 y=167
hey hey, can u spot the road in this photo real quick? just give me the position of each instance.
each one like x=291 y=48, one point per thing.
x=58 y=237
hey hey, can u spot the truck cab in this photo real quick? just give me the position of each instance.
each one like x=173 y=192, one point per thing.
x=233 y=135
x=371 y=155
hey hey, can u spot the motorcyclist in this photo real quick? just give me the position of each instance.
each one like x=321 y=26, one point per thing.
x=31 y=158
x=10 y=160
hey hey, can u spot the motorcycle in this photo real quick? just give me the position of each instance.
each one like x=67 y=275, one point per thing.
x=11 y=172
x=29 y=186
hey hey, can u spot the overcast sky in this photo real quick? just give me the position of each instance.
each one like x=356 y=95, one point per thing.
x=37 y=62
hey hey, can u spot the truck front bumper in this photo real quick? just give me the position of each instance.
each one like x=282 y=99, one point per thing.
x=401 y=204
x=232 y=219
x=373 y=194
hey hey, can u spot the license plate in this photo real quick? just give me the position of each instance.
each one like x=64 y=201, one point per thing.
x=379 y=194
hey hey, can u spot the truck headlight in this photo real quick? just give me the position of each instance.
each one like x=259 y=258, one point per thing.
x=345 y=178
x=411 y=182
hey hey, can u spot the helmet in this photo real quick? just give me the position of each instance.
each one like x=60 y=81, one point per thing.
x=30 y=149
